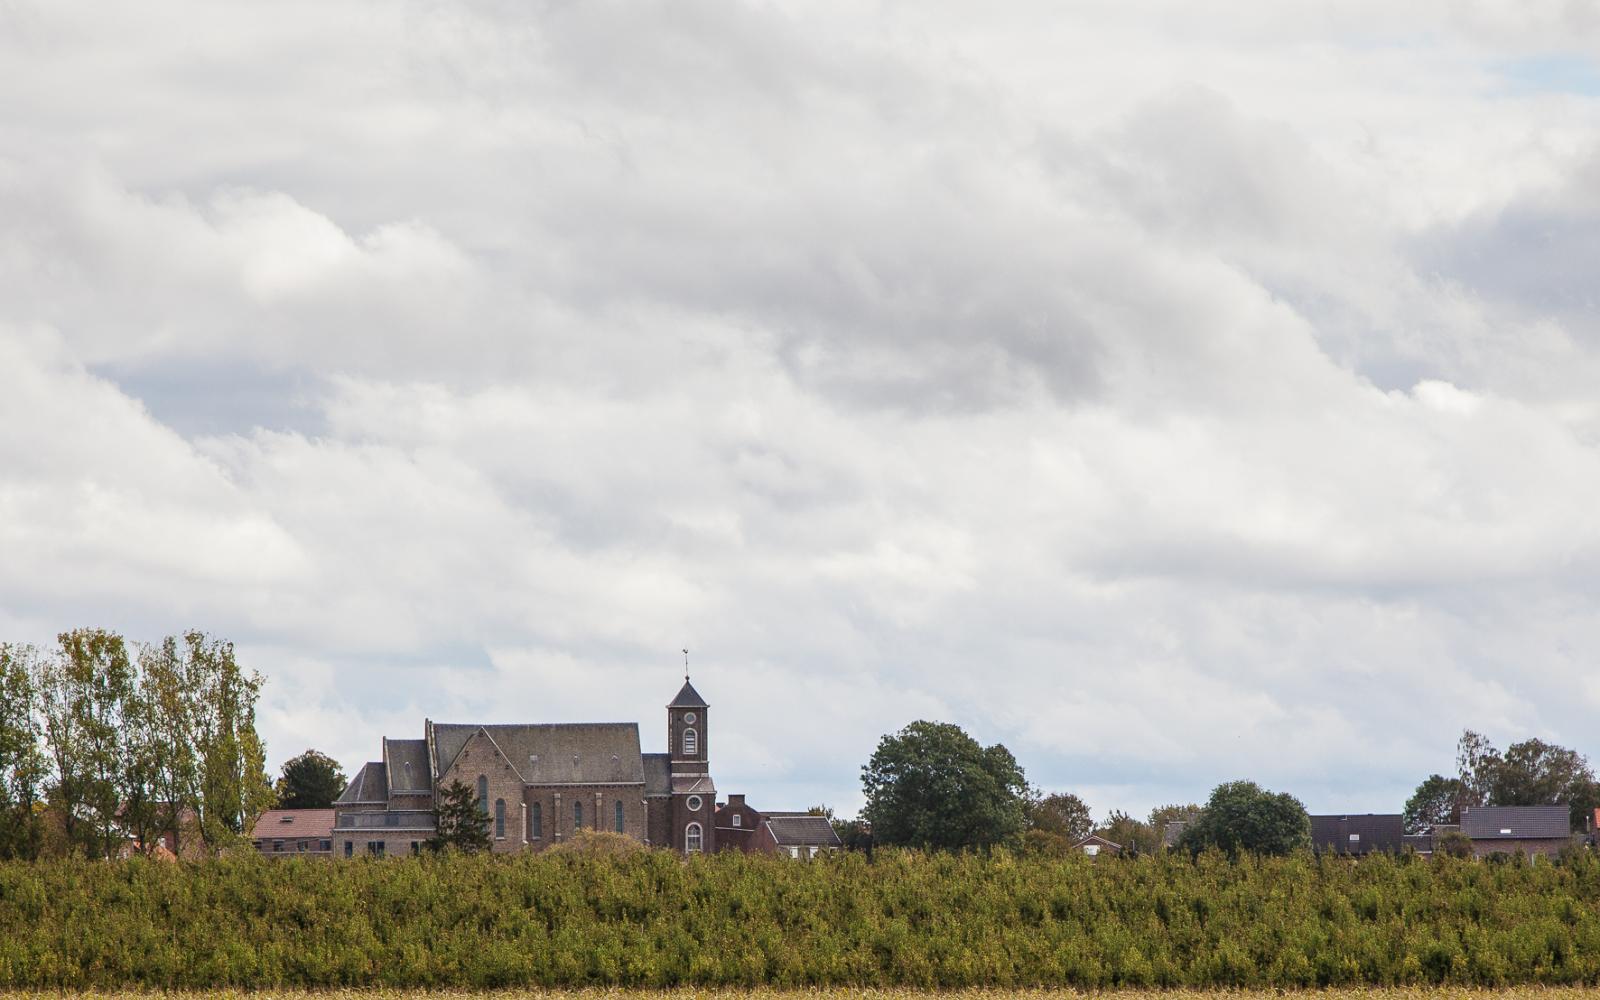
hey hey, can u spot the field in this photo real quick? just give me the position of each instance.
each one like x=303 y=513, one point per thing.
x=1525 y=992
x=734 y=922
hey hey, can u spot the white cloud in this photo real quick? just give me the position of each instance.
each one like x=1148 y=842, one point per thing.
x=1171 y=395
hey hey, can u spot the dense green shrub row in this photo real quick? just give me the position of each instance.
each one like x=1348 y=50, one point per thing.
x=907 y=919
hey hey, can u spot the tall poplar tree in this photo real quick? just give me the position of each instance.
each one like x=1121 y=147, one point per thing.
x=22 y=765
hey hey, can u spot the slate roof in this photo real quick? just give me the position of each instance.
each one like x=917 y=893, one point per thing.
x=1516 y=822
x=693 y=784
x=687 y=697
x=293 y=824
x=399 y=754
x=553 y=753
x=369 y=785
x=657 y=773
x=803 y=831
x=1373 y=832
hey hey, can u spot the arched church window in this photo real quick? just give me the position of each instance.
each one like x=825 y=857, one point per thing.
x=535 y=822
x=692 y=841
x=691 y=743
x=577 y=815
x=619 y=816
x=499 y=819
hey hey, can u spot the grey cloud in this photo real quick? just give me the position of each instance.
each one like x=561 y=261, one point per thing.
x=1127 y=378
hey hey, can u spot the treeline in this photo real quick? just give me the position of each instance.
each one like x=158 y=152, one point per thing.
x=105 y=746
x=906 y=919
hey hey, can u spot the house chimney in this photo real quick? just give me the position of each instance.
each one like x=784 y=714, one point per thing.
x=735 y=800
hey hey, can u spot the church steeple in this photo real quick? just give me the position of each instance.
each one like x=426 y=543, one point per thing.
x=687 y=729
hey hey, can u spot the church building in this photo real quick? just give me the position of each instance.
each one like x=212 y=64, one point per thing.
x=539 y=783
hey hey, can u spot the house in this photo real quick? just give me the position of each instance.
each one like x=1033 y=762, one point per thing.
x=736 y=823
x=281 y=833
x=1357 y=834
x=1094 y=845
x=1511 y=829
x=799 y=836
x=538 y=783
x=1173 y=832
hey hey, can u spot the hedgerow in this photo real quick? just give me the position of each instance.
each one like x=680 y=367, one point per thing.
x=904 y=920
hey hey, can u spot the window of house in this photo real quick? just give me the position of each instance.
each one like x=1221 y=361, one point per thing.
x=618 y=817
x=301 y=846
x=794 y=852
x=535 y=822
x=375 y=848
x=277 y=845
x=692 y=840
x=691 y=743
x=499 y=819
x=738 y=820
x=577 y=815
x=1355 y=838
x=483 y=794
x=349 y=848
x=325 y=845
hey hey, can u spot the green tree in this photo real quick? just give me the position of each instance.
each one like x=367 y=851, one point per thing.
x=1436 y=801
x=1536 y=773
x=1061 y=814
x=229 y=755
x=310 y=781
x=1241 y=817
x=1530 y=773
x=932 y=786
x=168 y=691
x=83 y=691
x=22 y=765
x=461 y=822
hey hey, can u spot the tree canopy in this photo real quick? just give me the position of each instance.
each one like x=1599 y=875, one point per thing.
x=310 y=781
x=1437 y=801
x=1530 y=773
x=931 y=785
x=124 y=742
x=1241 y=817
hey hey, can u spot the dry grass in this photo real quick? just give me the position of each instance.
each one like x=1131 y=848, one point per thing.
x=1528 y=992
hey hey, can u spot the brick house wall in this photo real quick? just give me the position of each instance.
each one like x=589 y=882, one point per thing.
x=480 y=757
x=736 y=824
x=557 y=817
x=1550 y=847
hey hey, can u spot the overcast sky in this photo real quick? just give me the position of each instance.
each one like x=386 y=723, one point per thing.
x=1174 y=393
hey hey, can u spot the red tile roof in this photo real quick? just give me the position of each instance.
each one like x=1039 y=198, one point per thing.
x=294 y=824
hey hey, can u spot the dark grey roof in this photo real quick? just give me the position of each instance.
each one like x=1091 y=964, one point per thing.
x=367 y=786
x=1516 y=822
x=408 y=766
x=693 y=784
x=657 y=773
x=387 y=819
x=1358 y=833
x=1422 y=843
x=553 y=753
x=688 y=697
x=803 y=831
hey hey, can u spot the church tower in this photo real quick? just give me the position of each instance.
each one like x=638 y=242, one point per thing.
x=693 y=794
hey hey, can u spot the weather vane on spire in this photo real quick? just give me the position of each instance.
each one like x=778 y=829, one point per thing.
x=686 y=666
